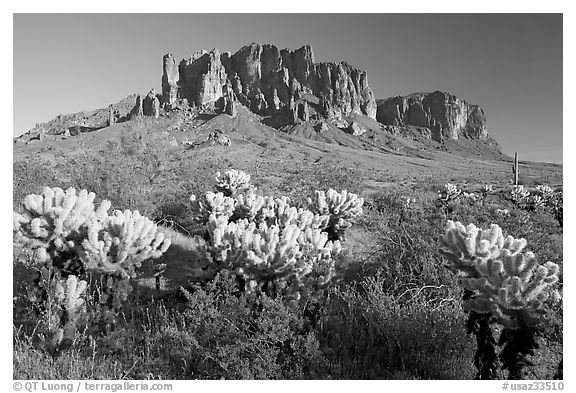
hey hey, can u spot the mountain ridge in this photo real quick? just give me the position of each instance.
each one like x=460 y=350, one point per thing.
x=293 y=94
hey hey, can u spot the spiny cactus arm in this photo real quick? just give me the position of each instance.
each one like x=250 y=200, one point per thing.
x=227 y=238
x=307 y=219
x=287 y=251
x=315 y=244
x=249 y=205
x=318 y=204
x=74 y=290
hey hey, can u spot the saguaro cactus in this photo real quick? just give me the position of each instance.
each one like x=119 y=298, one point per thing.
x=515 y=169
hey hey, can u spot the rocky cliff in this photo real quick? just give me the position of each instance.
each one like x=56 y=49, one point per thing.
x=445 y=115
x=269 y=80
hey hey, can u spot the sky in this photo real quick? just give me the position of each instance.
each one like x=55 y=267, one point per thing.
x=508 y=64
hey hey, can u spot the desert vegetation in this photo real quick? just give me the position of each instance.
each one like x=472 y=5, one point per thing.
x=291 y=272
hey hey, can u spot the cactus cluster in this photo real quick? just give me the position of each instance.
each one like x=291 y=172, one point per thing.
x=450 y=192
x=518 y=194
x=269 y=244
x=274 y=259
x=544 y=192
x=540 y=197
x=70 y=237
x=505 y=280
x=65 y=225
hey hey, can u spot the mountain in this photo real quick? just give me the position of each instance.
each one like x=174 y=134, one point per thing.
x=288 y=91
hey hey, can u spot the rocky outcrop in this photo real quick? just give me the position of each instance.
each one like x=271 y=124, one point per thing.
x=137 y=111
x=151 y=105
x=444 y=114
x=170 y=78
x=202 y=78
x=356 y=129
x=111 y=115
x=270 y=80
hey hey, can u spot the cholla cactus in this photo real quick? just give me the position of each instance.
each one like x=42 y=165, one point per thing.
x=340 y=207
x=212 y=204
x=471 y=197
x=233 y=182
x=54 y=222
x=69 y=238
x=534 y=202
x=545 y=192
x=120 y=244
x=494 y=267
x=272 y=246
x=408 y=203
x=556 y=203
x=70 y=306
x=449 y=193
x=257 y=253
x=271 y=259
x=504 y=282
x=518 y=195
x=487 y=189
